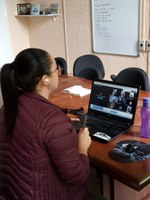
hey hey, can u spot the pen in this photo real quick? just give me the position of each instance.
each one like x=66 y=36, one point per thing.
x=84 y=121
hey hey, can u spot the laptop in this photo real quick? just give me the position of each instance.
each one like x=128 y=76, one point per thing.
x=111 y=109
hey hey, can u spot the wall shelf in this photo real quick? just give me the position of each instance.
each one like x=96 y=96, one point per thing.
x=35 y=16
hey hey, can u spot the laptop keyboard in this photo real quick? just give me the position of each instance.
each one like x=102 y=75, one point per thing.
x=101 y=125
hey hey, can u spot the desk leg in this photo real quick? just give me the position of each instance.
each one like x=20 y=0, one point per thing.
x=100 y=176
x=111 y=182
x=101 y=183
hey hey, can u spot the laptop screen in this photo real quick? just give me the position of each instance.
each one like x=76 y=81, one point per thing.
x=113 y=99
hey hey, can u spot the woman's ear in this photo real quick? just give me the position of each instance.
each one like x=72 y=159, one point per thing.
x=45 y=80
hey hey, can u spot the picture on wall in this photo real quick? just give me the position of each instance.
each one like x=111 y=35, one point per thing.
x=46 y=11
x=54 y=8
x=24 y=9
x=35 y=9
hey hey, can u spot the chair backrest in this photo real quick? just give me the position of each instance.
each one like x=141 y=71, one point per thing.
x=134 y=75
x=89 y=66
x=63 y=64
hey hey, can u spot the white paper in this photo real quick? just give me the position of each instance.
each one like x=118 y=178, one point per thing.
x=77 y=90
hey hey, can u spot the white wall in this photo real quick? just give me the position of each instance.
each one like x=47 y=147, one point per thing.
x=70 y=36
x=5 y=40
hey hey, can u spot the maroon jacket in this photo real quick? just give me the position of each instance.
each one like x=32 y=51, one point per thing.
x=42 y=161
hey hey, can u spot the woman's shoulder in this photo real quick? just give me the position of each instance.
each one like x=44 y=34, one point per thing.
x=41 y=109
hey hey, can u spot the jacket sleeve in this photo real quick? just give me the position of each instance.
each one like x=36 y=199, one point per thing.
x=61 y=141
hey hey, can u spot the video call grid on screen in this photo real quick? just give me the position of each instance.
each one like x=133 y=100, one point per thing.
x=114 y=99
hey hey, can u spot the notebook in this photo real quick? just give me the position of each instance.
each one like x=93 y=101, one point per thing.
x=111 y=109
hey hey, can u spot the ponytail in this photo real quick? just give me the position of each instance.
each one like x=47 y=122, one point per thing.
x=10 y=97
x=21 y=76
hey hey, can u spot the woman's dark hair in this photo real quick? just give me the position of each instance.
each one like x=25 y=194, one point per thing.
x=21 y=75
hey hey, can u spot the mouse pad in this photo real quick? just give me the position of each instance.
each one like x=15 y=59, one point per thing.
x=127 y=151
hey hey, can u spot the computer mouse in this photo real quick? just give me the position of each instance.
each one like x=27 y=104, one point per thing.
x=101 y=135
x=130 y=148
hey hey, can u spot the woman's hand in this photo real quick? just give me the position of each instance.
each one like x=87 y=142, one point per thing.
x=84 y=141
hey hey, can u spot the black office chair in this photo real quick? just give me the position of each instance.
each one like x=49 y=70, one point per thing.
x=63 y=64
x=133 y=75
x=89 y=66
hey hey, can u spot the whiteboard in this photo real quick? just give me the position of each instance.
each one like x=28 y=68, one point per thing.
x=115 y=26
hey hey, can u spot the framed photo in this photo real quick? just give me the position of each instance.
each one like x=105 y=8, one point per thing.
x=35 y=9
x=46 y=11
x=24 y=9
x=54 y=8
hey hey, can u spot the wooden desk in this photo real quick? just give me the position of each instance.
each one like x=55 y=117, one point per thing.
x=135 y=175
